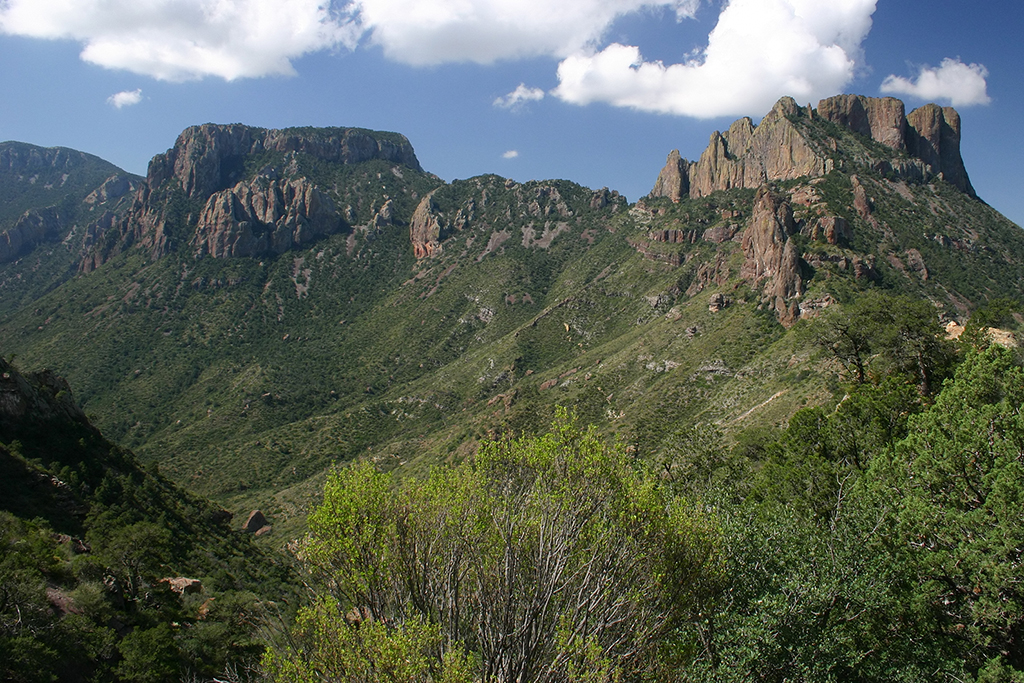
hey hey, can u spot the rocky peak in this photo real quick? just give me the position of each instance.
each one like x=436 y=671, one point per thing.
x=208 y=158
x=883 y=119
x=934 y=137
x=673 y=181
x=780 y=149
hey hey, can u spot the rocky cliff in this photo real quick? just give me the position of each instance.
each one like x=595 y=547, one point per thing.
x=209 y=191
x=788 y=144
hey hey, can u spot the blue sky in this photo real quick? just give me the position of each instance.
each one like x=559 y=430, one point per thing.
x=606 y=88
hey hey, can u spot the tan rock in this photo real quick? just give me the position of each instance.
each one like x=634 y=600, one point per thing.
x=882 y=119
x=673 y=181
x=425 y=228
x=934 y=137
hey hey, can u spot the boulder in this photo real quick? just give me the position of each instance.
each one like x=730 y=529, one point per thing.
x=254 y=522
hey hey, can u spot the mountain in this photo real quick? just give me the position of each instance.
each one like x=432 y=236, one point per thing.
x=99 y=554
x=268 y=302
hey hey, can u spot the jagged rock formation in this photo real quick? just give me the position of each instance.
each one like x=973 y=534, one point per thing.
x=207 y=158
x=772 y=261
x=241 y=216
x=34 y=227
x=780 y=148
x=264 y=216
x=673 y=181
x=113 y=188
x=883 y=119
x=934 y=137
x=425 y=228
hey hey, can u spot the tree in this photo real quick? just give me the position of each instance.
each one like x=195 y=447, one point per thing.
x=882 y=335
x=542 y=559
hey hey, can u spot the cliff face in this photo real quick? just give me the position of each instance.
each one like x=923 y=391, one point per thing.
x=782 y=147
x=772 y=261
x=264 y=217
x=241 y=214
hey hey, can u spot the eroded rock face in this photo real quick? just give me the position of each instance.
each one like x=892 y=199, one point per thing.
x=934 y=137
x=207 y=158
x=39 y=396
x=674 y=180
x=883 y=119
x=746 y=156
x=425 y=228
x=34 y=227
x=240 y=217
x=772 y=261
x=264 y=217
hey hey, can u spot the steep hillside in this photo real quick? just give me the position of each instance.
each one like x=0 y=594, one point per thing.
x=273 y=301
x=108 y=571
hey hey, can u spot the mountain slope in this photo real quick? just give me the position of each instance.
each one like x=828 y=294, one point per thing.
x=272 y=301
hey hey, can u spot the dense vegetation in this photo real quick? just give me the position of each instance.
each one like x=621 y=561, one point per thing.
x=88 y=541
x=876 y=539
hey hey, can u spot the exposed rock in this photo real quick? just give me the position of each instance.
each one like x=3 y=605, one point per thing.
x=39 y=396
x=717 y=302
x=771 y=258
x=673 y=181
x=720 y=233
x=181 y=585
x=254 y=522
x=832 y=229
x=35 y=227
x=748 y=156
x=915 y=262
x=263 y=530
x=264 y=217
x=114 y=187
x=777 y=149
x=934 y=137
x=425 y=228
x=883 y=119
x=207 y=158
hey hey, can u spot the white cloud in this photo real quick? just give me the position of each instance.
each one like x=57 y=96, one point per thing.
x=758 y=51
x=961 y=84
x=424 y=32
x=519 y=96
x=125 y=98
x=178 y=40
x=511 y=154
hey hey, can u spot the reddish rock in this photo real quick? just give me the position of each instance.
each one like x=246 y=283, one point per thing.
x=673 y=181
x=934 y=137
x=882 y=119
x=425 y=228
x=254 y=522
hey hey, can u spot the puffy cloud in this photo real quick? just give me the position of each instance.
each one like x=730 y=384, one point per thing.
x=519 y=96
x=961 y=84
x=184 y=39
x=424 y=32
x=125 y=98
x=511 y=154
x=758 y=51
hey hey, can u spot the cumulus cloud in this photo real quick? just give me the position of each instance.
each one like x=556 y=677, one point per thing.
x=125 y=98
x=424 y=32
x=511 y=154
x=178 y=40
x=758 y=51
x=961 y=84
x=519 y=96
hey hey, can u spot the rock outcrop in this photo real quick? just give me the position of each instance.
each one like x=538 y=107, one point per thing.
x=37 y=396
x=934 y=137
x=772 y=261
x=674 y=180
x=425 y=228
x=208 y=158
x=264 y=217
x=33 y=228
x=254 y=522
x=241 y=215
x=781 y=148
x=883 y=119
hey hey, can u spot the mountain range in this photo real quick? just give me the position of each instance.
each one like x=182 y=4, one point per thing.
x=266 y=302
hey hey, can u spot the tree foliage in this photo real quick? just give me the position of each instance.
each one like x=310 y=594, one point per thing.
x=543 y=559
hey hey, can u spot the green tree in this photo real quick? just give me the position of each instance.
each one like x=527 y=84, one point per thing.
x=539 y=558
